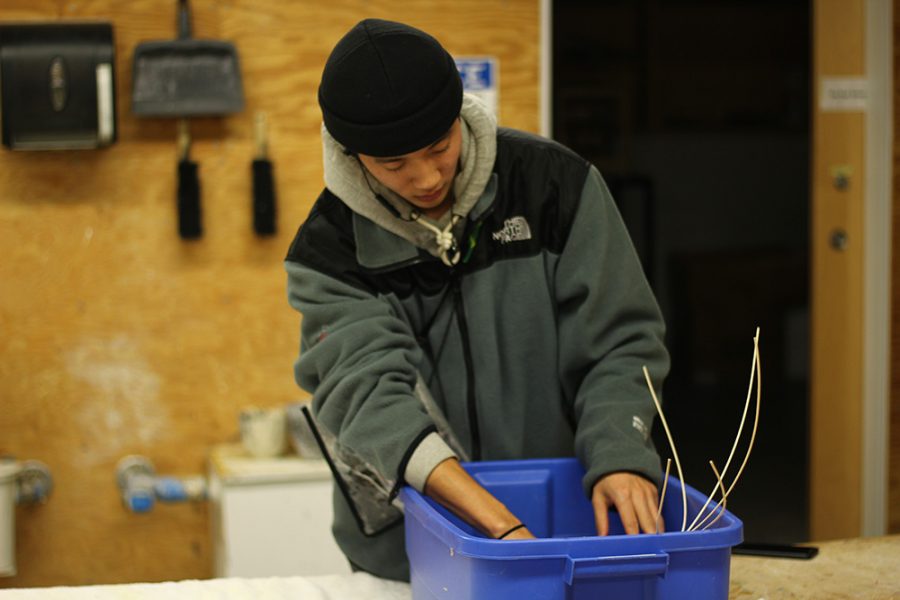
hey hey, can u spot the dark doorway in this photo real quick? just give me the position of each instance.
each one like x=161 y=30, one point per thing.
x=697 y=114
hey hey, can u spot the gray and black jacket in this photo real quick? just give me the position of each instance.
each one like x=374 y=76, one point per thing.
x=531 y=346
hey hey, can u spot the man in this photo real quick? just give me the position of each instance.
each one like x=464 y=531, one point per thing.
x=468 y=293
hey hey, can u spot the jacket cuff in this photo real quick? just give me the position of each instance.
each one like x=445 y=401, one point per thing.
x=430 y=452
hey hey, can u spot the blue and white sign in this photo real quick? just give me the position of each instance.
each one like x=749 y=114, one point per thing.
x=480 y=76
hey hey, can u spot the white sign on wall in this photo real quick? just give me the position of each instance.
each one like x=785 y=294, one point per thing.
x=480 y=76
x=845 y=94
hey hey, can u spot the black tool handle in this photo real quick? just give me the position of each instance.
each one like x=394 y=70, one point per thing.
x=776 y=550
x=184 y=20
x=264 y=213
x=189 y=216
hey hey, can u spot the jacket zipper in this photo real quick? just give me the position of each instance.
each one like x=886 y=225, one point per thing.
x=470 y=369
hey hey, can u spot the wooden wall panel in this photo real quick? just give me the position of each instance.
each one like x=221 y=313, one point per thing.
x=894 y=432
x=836 y=388
x=116 y=337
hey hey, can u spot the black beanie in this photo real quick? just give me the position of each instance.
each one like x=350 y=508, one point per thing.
x=389 y=89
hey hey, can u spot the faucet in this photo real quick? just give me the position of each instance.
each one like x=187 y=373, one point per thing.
x=141 y=487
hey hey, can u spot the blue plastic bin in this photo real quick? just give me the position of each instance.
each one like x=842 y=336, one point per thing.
x=451 y=560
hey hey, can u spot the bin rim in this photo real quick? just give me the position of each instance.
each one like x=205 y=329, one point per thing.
x=728 y=534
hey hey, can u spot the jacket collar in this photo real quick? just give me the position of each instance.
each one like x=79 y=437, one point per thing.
x=378 y=249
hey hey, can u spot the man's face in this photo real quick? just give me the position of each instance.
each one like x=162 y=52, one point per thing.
x=424 y=177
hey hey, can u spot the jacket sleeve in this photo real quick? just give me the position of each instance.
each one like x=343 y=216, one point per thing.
x=610 y=327
x=358 y=359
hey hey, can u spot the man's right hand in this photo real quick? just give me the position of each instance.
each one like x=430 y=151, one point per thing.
x=452 y=487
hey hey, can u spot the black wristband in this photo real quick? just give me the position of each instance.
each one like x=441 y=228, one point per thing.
x=516 y=528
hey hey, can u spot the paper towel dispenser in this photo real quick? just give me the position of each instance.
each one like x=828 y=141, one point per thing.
x=57 y=85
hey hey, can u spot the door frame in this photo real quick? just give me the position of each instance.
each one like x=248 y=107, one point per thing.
x=545 y=91
x=879 y=220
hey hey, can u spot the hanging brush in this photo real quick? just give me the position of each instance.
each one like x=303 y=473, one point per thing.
x=189 y=217
x=264 y=221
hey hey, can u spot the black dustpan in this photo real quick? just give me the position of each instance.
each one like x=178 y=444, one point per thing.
x=186 y=77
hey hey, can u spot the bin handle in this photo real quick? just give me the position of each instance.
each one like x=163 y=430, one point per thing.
x=599 y=567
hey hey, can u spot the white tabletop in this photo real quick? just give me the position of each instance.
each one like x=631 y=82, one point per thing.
x=356 y=586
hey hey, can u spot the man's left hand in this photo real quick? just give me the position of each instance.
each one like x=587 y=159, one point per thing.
x=634 y=497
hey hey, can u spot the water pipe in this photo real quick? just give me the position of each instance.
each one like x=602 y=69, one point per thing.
x=28 y=482
x=34 y=483
x=141 y=487
x=9 y=469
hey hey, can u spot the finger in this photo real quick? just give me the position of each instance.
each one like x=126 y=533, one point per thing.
x=601 y=514
x=661 y=522
x=660 y=503
x=626 y=510
x=646 y=511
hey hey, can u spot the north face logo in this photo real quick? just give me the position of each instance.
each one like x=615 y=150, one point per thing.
x=515 y=229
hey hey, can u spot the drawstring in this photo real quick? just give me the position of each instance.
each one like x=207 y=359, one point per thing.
x=443 y=238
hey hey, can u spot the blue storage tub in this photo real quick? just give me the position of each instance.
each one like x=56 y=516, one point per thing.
x=451 y=560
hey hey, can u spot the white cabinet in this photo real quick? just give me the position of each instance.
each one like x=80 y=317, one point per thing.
x=271 y=516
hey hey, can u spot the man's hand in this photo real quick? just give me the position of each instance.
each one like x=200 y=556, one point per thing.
x=455 y=489
x=633 y=496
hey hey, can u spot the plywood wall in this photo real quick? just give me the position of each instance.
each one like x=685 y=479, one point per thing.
x=894 y=433
x=116 y=337
x=836 y=382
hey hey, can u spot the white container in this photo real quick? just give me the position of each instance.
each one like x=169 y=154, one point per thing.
x=263 y=431
x=271 y=517
x=8 y=472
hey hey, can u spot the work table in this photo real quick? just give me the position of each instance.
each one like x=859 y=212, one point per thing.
x=856 y=568
x=864 y=568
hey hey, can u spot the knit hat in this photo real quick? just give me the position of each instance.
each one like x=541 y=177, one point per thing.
x=389 y=89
